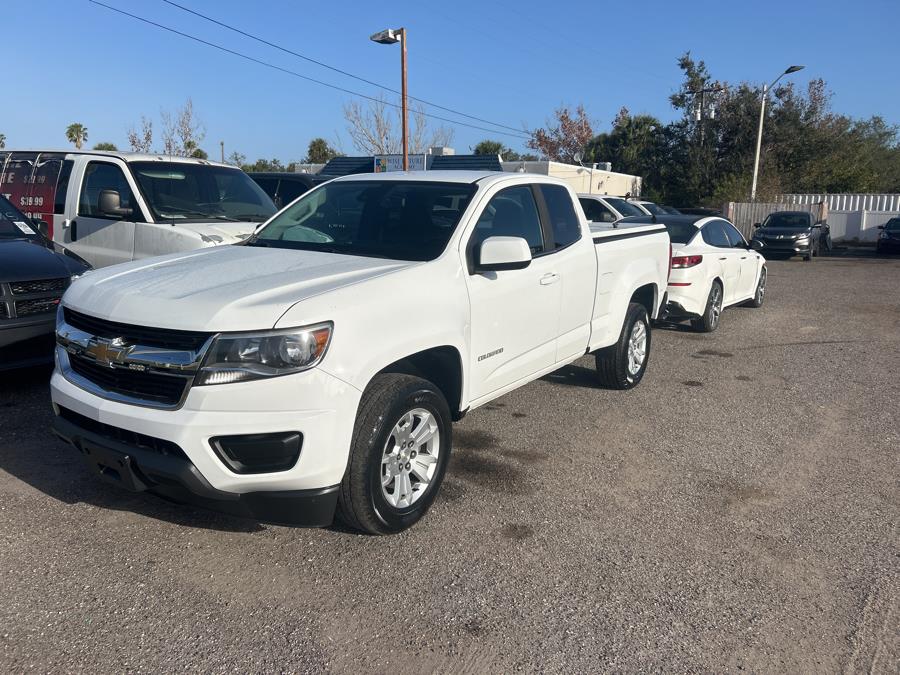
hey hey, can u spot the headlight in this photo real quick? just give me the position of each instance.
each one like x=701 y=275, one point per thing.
x=240 y=357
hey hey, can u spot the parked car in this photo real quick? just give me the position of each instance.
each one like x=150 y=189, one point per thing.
x=112 y=207
x=284 y=186
x=713 y=267
x=322 y=363
x=792 y=232
x=606 y=209
x=34 y=273
x=889 y=237
x=652 y=209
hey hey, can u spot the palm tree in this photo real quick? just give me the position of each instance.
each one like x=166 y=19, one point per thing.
x=2 y=141
x=77 y=133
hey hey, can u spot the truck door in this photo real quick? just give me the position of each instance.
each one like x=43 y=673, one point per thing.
x=514 y=313
x=576 y=264
x=103 y=238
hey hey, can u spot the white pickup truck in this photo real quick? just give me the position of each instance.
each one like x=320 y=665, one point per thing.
x=319 y=365
x=113 y=207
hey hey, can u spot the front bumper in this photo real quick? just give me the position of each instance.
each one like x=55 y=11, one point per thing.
x=785 y=246
x=26 y=342
x=319 y=406
x=140 y=465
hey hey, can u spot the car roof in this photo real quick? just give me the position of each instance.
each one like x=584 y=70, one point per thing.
x=124 y=156
x=671 y=218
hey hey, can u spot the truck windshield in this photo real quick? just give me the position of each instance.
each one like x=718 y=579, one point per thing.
x=201 y=192
x=401 y=220
x=14 y=224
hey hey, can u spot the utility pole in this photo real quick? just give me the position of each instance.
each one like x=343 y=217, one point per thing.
x=222 y=148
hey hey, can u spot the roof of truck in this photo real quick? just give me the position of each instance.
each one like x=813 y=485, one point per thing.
x=124 y=156
x=451 y=176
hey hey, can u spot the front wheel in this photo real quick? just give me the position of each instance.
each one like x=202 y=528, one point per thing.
x=398 y=456
x=622 y=365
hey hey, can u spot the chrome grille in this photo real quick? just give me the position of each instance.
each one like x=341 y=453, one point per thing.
x=140 y=365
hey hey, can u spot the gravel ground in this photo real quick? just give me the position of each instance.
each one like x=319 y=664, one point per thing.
x=737 y=511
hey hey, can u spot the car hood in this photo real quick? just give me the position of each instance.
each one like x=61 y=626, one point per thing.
x=25 y=260
x=228 y=288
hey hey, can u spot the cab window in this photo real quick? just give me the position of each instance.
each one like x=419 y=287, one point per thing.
x=511 y=213
x=99 y=176
x=564 y=223
x=596 y=212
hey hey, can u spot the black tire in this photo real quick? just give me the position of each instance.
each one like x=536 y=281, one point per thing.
x=760 y=295
x=361 y=504
x=712 y=314
x=612 y=362
x=809 y=254
x=817 y=250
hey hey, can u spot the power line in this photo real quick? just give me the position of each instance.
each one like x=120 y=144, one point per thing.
x=333 y=68
x=520 y=135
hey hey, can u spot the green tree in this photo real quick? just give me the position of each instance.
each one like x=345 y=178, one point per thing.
x=490 y=147
x=77 y=133
x=319 y=151
x=105 y=146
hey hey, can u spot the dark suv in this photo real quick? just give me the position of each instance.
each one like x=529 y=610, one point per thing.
x=889 y=238
x=793 y=233
x=34 y=273
x=282 y=186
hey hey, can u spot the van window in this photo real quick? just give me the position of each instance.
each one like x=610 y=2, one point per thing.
x=62 y=187
x=99 y=176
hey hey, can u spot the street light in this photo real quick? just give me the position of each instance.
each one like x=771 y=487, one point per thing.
x=389 y=37
x=762 y=115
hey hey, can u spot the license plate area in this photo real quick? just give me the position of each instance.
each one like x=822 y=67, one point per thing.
x=113 y=466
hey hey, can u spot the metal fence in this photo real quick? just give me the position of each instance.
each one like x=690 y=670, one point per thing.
x=847 y=202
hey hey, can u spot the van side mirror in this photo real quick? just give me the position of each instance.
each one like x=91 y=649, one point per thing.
x=110 y=204
x=498 y=254
x=43 y=228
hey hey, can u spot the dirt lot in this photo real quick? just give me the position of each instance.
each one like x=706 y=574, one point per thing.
x=738 y=510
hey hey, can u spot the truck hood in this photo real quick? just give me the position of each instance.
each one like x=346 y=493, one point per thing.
x=227 y=288
x=226 y=231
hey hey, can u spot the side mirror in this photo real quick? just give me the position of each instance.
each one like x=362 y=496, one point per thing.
x=110 y=204
x=42 y=227
x=755 y=225
x=498 y=254
x=881 y=227
x=756 y=245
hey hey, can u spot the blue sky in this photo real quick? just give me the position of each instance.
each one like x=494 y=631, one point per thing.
x=509 y=61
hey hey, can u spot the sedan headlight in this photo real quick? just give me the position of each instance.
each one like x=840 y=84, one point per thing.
x=239 y=357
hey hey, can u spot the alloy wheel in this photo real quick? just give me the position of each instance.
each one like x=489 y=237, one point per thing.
x=409 y=459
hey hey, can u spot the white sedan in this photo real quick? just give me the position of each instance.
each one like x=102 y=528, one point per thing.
x=713 y=267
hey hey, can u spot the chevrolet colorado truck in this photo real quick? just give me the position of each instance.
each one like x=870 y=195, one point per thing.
x=317 y=367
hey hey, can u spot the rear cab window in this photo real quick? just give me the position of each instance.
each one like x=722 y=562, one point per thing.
x=564 y=223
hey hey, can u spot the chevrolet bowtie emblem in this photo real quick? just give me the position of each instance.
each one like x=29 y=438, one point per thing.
x=109 y=352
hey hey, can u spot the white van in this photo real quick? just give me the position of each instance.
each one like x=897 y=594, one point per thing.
x=112 y=207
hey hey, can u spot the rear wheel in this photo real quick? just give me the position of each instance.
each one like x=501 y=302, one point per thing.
x=622 y=365
x=399 y=454
x=713 y=312
x=760 y=294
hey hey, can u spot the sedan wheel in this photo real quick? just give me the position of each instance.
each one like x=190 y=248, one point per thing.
x=710 y=319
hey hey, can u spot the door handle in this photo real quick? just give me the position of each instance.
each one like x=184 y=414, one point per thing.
x=725 y=258
x=549 y=278
x=743 y=257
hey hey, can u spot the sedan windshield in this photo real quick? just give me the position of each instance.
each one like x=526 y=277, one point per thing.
x=626 y=208
x=401 y=220
x=13 y=223
x=201 y=192
x=797 y=221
